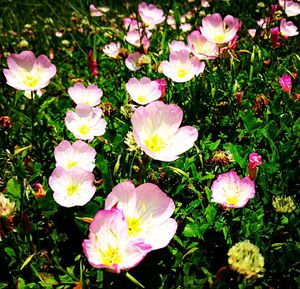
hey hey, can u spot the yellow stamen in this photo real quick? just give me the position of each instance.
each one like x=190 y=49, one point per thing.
x=72 y=189
x=181 y=73
x=111 y=256
x=71 y=164
x=84 y=129
x=155 y=143
x=219 y=38
x=141 y=99
x=134 y=226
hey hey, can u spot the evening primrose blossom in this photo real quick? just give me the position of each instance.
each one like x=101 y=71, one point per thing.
x=245 y=258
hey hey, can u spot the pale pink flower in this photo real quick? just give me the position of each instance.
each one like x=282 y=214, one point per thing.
x=205 y=3
x=252 y=32
x=86 y=122
x=176 y=46
x=254 y=162
x=109 y=245
x=151 y=14
x=112 y=49
x=171 y=21
x=131 y=24
x=201 y=47
x=185 y=27
x=288 y=29
x=217 y=30
x=156 y=130
x=28 y=93
x=90 y=96
x=147 y=211
x=78 y=154
x=94 y=11
x=182 y=68
x=286 y=83
x=26 y=72
x=230 y=190
x=72 y=187
x=290 y=7
x=132 y=61
x=264 y=22
x=143 y=91
x=138 y=37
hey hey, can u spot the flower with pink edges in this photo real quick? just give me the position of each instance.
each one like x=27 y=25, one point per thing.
x=138 y=37
x=109 y=245
x=286 y=83
x=156 y=130
x=79 y=154
x=290 y=7
x=217 y=30
x=86 y=122
x=94 y=11
x=143 y=91
x=176 y=46
x=26 y=72
x=288 y=29
x=180 y=67
x=230 y=190
x=131 y=24
x=112 y=49
x=254 y=162
x=147 y=211
x=151 y=14
x=72 y=187
x=132 y=61
x=90 y=96
x=201 y=47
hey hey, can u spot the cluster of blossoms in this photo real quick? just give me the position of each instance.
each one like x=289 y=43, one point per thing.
x=284 y=204
x=135 y=221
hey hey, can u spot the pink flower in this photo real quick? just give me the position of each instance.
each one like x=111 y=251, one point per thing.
x=274 y=35
x=27 y=72
x=254 y=162
x=217 y=30
x=138 y=37
x=230 y=190
x=131 y=24
x=78 y=154
x=86 y=122
x=156 y=130
x=252 y=32
x=201 y=47
x=112 y=49
x=162 y=86
x=90 y=96
x=288 y=29
x=109 y=245
x=143 y=91
x=176 y=46
x=132 y=61
x=290 y=7
x=93 y=66
x=150 y=14
x=147 y=211
x=72 y=187
x=94 y=11
x=181 y=67
x=286 y=83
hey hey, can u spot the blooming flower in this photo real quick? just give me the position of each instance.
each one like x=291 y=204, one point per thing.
x=131 y=24
x=78 y=154
x=156 y=130
x=286 y=83
x=72 y=187
x=176 y=46
x=254 y=162
x=109 y=245
x=112 y=49
x=6 y=206
x=245 y=258
x=288 y=29
x=132 y=61
x=290 y=7
x=201 y=47
x=147 y=211
x=150 y=14
x=138 y=37
x=180 y=68
x=143 y=91
x=90 y=96
x=217 y=30
x=94 y=11
x=86 y=122
x=26 y=72
x=230 y=190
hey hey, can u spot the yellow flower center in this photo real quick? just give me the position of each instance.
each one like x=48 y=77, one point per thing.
x=141 y=99
x=71 y=164
x=84 y=129
x=72 y=189
x=219 y=38
x=232 y=200
x=134 y=226
x=111 y=256
x=155 y=143
x=181 y=73
x=31 y=80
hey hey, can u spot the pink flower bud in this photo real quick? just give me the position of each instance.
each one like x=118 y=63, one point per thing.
x=239 y=97
x=254 y=162
x=286 y=83
x=162 y=85
x=275 y=37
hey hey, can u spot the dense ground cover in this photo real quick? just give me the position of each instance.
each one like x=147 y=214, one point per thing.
x=242 y=99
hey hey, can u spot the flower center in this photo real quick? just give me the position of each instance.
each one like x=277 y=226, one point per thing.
x=111 y=256
x=219 y=38
x=72 y=189
x=141 y=99
x=71 y=164
x=84 y=129
x=134 y=226
x=31 y=80
x=232 y=200
x=155 y=143
x=181 y=73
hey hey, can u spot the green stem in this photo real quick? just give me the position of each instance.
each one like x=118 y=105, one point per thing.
x=133 y=280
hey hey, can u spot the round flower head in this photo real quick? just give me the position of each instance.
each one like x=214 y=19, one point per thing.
x=73 y=187
x=288 y=29
x=156 y=130
x=112 y=49
x=150 y=14
x=180 y=68
x=283 y=204
x=109 y=245
x=132 y=61
x=147 y=211
x=143 y=91
x=230 y=190
x=217 y=30
x=86 y=122
x=90 y=96
x=78 y=154
x=26 y=72
x=245 y=258
x=290 y=7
